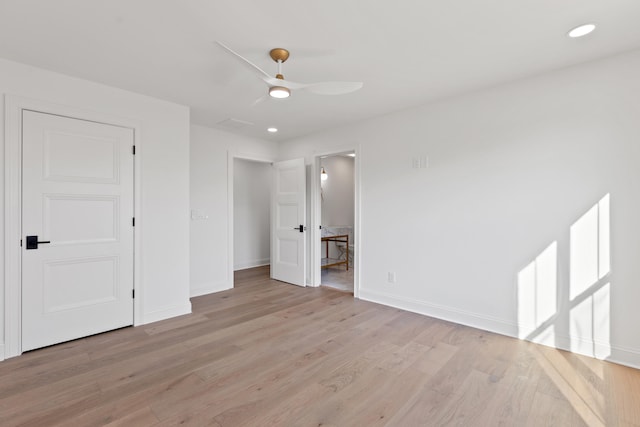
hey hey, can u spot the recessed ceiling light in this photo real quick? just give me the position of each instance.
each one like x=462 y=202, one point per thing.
x=581 y=30
x=272 y=130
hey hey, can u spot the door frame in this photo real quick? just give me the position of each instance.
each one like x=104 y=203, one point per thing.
x=14 y=106
x=231 y=157
x=316 y=215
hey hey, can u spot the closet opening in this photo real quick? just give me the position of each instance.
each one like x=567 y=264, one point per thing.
x=251 y=213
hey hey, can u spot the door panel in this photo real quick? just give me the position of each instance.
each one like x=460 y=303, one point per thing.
x=94 y=159
x=288 y=244
x=77 y=194
x=64 y=218
x=64 y=283
x=288 y=251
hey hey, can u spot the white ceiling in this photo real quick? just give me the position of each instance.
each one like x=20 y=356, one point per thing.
x=407 y=52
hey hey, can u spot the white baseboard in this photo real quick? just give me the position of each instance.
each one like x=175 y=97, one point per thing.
x=449 y=314
x=1 y=351
x=598 y=350
x=167 y=312
x=251 y=264
x=198 y=289
x=587 y=347
x=625 y=356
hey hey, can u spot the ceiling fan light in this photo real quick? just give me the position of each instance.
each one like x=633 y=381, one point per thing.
x=279 y=92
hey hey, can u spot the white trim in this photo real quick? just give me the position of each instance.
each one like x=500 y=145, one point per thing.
x=587 y=347
x=231 y=156
x=14 y=105
x=205 y=288
x=252 y=264
x=230 y=248
x=316 y=215
x=315 y=206
x=167 y=312
x=604 y=351
x=467 y=318
x=357 y=245
x=12 y=227
x=625 y=356
x=1 y=352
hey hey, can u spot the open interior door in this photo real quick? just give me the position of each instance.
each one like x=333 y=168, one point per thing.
x=288 y=243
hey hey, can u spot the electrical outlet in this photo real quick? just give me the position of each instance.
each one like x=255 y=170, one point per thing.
x=391 y=277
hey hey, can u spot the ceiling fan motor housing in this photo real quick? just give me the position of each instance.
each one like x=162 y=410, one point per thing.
x=279 y=54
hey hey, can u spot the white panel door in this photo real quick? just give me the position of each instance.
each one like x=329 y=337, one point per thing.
x=77 y=195
x=288 y=244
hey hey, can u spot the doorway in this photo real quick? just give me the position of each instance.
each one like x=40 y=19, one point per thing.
x=337 y=220
x=251 y=211
x=15 y=107
x=286 y=208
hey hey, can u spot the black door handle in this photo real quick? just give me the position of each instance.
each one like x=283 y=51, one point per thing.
x=300 y=228
x=32 y=242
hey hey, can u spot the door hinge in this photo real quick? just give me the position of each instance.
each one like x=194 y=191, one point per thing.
x=20 y=242
x=133 y=221
x=133 y=150
x=133 y=293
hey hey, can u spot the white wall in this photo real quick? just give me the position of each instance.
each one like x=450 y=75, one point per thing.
x=338 y=191
x=164 y=160
x=252 y=213
x=209 y=194
x=513 y=171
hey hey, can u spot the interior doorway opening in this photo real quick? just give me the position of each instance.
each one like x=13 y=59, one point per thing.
x=251 y=213
x=337 y=220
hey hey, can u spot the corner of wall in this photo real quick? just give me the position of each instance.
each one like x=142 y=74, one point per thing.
x=167 y=312
x=199 y=289
x=251 y=264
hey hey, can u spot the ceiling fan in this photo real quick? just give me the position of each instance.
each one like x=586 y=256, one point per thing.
x=281 y=88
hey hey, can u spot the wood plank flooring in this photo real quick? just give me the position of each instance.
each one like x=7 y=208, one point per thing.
x=272 y=354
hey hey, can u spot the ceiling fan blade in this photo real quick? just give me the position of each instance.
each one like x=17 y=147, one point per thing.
x=261 y=73
x=260 y=100
x=333 y=88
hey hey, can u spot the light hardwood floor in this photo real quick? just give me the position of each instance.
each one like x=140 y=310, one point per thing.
x=269 y=354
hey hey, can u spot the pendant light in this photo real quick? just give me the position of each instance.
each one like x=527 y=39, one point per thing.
x=323 y=175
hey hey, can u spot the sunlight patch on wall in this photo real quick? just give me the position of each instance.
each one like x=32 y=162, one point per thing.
x=589 y=248
x=537 y=291
x=589 y=322
x=582 y=317
x=590 y=263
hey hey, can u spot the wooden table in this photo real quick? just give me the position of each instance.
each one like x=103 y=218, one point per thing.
x=328 y=262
